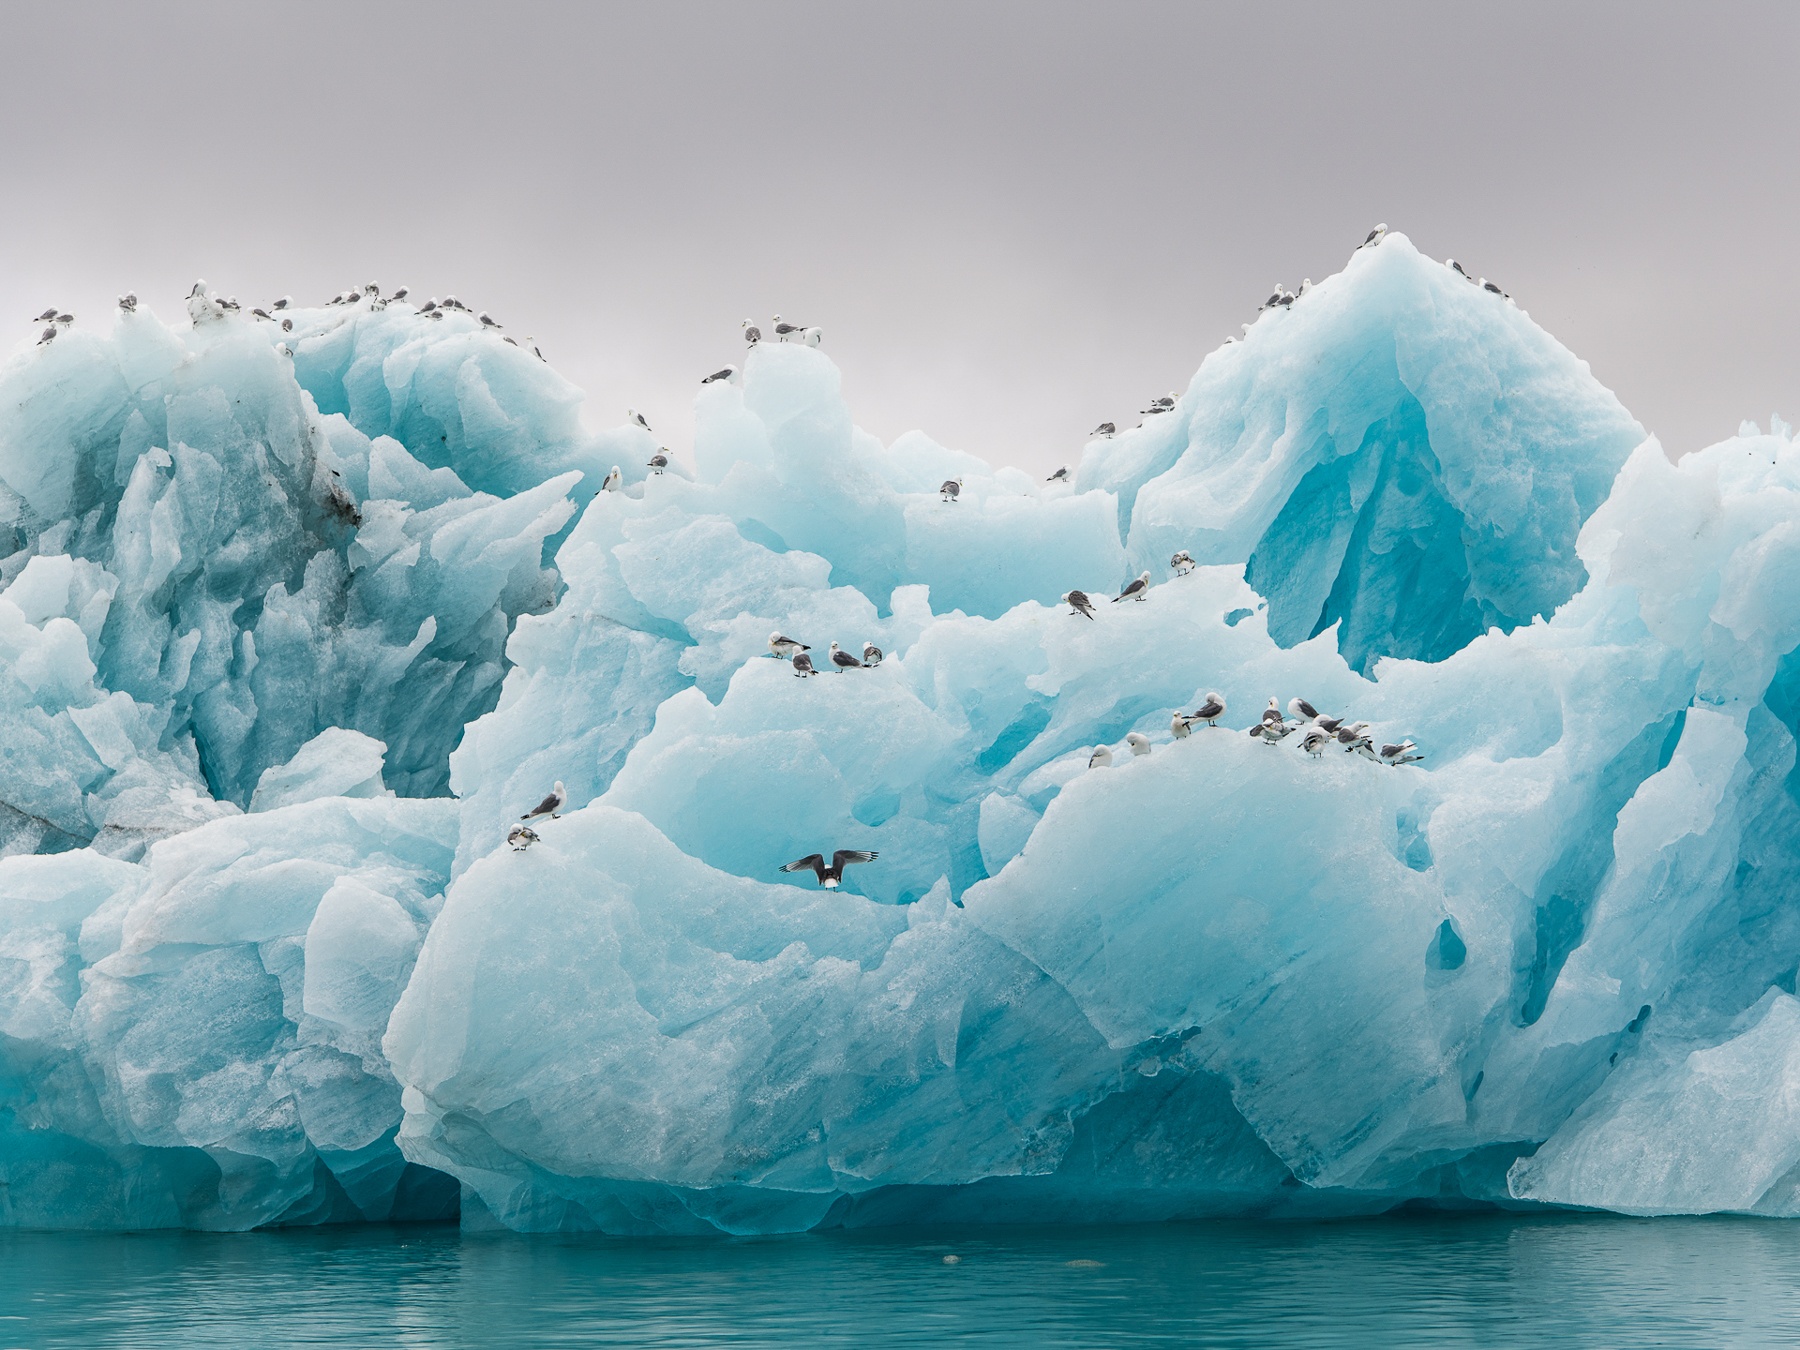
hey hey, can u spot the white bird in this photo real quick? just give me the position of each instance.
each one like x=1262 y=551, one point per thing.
x=488 y=320
x=785 y=330
x=1210 y=710
x=784 y=646
x=1135 y=590
x=812 y=337
x=287 y=325
x=128 y=302
x=612 y=481
x=1182 y=562
x=1078 y=603
x=1060 y=476
x=1315 y=740
x=724 y=374
x=658 y=462
x=1139 y=743
x=872 y=655
x=49 y=336
x=521 y=837
x=843 y=660
x=1180 y=726
x=1272 y=713
x=47 y=315
x=1374 y=236
x=752 y=334
x=1403 y=753
x=1101 y=758
x=1106 y=431
x=262 y=314
x=1273 y=732
x=399 y=294
x=1302 y=710
x=550 y=805
x=830 y=875
x=1352 y=736
x=803 y=665
x=1457 y=268
x=1275 y=297
x=950 y=489
x=636 y=419
x=283 y=303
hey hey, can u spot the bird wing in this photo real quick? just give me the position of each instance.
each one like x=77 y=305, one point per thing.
x=815 y=861
x=543 y=808
x=845 y=856
x=1209 y=709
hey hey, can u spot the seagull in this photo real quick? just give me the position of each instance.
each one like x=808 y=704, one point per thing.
x=1274 y=731
x=1487 y=285
x=429 y=307
x=1101 y=758
x=1402 y=753
x=1272 y=713
x=1211 y=710
x=49 y=335
x=1457 y=267
x=64 y=320
x=1274 y=297
x=1315 y=740
x=752 y=334
x=1139 y=743
x=612 y=481
x=950 y=489
x=1374 y=236
x=783 y=329
x=521 y=837
x=1078 y=603
x=1182 y=562
x=1301 y=709
x=283 y=303
x=452 y=302
x=843 y=660
x=399 y=294
x=812 y=337
x=550 y=805
x=830 y=876
x=371 y=290
x=1353 y=736
x=636 y=418
x=285 y=350
x=1106 y=431
x=658 y=462
x=803 y=665
x=724 y=374
x=488 y=320
x=785 y=647
x=872 y=654
x=1328 y=725
x=1181 y=726
x=262 y=314
x=128 y=302
x=1135 y=590
x=287 y=325
x=46 y=316
x=1060 y=476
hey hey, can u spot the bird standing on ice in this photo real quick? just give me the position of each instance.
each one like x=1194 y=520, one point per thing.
x=1060 y=476
x=1139 y=743
x=830 y=876
x=636 y=418
x=1135 y=590
x=843 y=660
x=1315 y=740
x=521 y=837
x=785 y=647
x=752 y=334
x=1302 y=710
x=612 y=481
x=785 y=330
x=951 y=489
x=872 y=654
x=1180 y=726
x=718 y=375
x=803 y=665
x=1182 y=562
x=1078 y=603
x=1375 y=236
x=1101 y=758
x=1211 y=709
x=1403 y=753
x=658 y=462
x=1105 y=431
x=550 y=805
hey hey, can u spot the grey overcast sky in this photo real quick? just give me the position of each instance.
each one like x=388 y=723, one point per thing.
x=1011 y=220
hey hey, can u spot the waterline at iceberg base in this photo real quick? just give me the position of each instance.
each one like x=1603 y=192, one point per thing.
x=291 y=641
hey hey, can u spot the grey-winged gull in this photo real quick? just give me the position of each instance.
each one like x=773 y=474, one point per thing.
x=803 y=665
x=1101 y=758
x=1078 y=603
x=783 y=646
x=843 y=660
x=521 y=837
x=950 y=489
x=830 y=875
x=1182 y=562
x=1211 y=709
x=550 y=805
x=1135 y=590
x=872 y=655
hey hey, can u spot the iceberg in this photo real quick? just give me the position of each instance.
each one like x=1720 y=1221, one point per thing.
x=298 y=624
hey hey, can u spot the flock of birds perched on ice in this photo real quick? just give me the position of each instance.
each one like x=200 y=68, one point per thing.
x=1317 y=731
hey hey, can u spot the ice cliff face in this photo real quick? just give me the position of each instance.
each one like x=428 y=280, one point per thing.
x=289 y=642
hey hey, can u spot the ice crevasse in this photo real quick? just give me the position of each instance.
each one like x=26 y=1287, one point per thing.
x=295 y=626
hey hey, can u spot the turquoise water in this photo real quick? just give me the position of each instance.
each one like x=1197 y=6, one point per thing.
x=1479 y=1280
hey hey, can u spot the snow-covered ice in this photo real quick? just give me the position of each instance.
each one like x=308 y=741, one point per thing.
x=288 y=643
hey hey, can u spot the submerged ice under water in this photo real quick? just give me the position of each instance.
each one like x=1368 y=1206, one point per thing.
x=291 y=641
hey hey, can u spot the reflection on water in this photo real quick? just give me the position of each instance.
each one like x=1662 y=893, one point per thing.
x=1477 y=1280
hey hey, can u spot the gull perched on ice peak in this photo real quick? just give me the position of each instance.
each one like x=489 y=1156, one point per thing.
x=1375 y=236
x=128 y=302
x=717 y=375
x=1078 y=603
x=1101 y=758
x=830 y=876
x=784 y=330
x=521 y=837
x=550 y=805
x=752 y=334
x=951 y=489
x=1060 y=476
x=783 y=646
x=1181 y=726
x=612 y=481
x=636 y=418
x=658 y=462
x=843 y=660
x=1211 y=709
x=47 y=315
x=1139 y=743
x=872 y=655
x=1105 y=431
x=1182 y=562
x=1135 y=590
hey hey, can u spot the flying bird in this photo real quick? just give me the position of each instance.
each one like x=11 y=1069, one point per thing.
x=784 y=647
x=1078 y=603
x=550 y=805
x=1135 y=590
x=950 y=489
x=829 y=876
x=521 y=837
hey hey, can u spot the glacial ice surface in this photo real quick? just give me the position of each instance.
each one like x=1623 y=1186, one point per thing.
x=290 y=641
